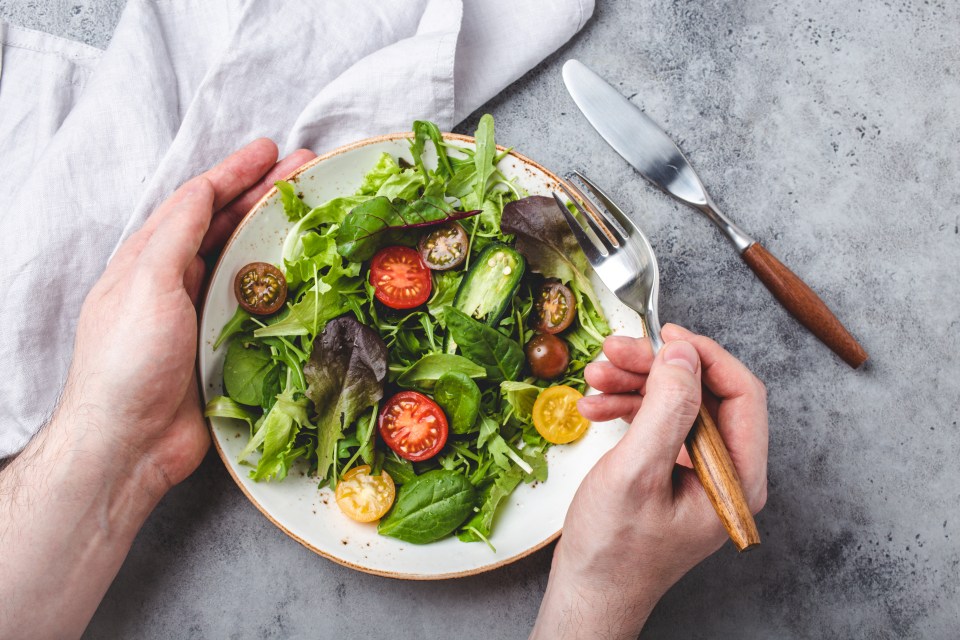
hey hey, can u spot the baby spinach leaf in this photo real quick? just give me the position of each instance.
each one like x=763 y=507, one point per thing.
x=499 y=355
x=459 y=397
x=546 y=241
x=345 y=376
x=293 y=206
x=234 y=325
x=379 y=222
x=425 y=372
x=429 y=507
x=400 y=470
x=244 y=371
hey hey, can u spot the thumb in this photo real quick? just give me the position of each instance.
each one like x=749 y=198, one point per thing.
x=670 y=405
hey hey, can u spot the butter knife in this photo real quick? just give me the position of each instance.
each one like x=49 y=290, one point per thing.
x=654 y=155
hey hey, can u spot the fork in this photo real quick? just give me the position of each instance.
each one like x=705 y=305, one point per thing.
x=625 y=262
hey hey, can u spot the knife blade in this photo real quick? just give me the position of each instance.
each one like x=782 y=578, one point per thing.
x=644 y=144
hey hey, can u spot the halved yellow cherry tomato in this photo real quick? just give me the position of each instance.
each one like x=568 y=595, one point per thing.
x=556 y=417
x=364 y=497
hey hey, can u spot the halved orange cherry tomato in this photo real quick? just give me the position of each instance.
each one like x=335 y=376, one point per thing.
x=399 y=277
x=364 y=497
x=555 y=415
x=554 y=307
x=260 y=288
x=413 y=425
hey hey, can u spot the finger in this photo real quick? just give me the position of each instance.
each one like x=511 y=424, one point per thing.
x=630 y=354
x=174 y=244
x=741 y=414
x=668 y=410
x=610 y=406
x=235 y=174
x=229 y=178
x=193 y=278
x=609 y=378
x=723 y=374
x=226 y=220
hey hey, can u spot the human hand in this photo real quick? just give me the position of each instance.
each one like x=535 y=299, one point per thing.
x=640 y=520
x=132 y=384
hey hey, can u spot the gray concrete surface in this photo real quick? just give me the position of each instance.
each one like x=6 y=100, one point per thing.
x=830 y=130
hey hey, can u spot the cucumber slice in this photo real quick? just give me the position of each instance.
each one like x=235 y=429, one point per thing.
x=489 y=286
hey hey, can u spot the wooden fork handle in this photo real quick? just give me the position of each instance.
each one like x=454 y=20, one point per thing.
x=719 y=478
x=803 y=304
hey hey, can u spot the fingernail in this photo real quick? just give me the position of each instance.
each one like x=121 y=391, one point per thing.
x=681 y=354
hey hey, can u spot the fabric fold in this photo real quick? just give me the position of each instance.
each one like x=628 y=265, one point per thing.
x=91 y=142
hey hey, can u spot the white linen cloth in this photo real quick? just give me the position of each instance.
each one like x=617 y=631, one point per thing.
x=91 y=142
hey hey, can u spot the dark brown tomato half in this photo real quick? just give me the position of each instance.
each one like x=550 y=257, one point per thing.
x=554 y=307
x=445 y=247
x=548 y=356
x=260 y=288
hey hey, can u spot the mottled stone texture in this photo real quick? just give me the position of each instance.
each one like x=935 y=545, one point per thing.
x=831 y=131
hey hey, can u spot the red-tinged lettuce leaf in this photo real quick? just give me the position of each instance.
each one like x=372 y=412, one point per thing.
x=379 y=222
x=345 y=377
x=546 y=241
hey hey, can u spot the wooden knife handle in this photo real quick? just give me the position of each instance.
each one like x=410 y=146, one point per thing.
x=803 y=304
x=719 y=477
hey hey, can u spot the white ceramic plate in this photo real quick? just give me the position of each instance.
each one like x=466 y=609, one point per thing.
x=528 y=520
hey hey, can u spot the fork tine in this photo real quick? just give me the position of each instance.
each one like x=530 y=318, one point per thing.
x=620 y=220
x=595 y=253
x=591 y=215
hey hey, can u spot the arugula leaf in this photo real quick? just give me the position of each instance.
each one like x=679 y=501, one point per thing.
x=345 y=376
x=244 y=371
x=480 y=526
x=293 y=206
x=422 y=130
x=546 y=241
x=429 y=507
x=400 y=470
x=459 y=397
x=308 y=316
x=380 y=221
x=484 y=156
x=277 y=434
x=501 y=357
x=425 y=372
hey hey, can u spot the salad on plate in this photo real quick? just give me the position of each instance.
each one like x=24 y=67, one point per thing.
x=419 y=345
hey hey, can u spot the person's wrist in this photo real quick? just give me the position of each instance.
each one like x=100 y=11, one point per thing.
x=88 y=439
x=582 y=601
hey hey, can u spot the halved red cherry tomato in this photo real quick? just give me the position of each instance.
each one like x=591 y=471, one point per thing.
x=260 y=288
x=445 y=247
x=399 y=278
x=365 y=497
x=413 y=425
x=554 y=308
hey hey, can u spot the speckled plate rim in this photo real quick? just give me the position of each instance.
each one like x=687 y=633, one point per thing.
x=389 y=137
